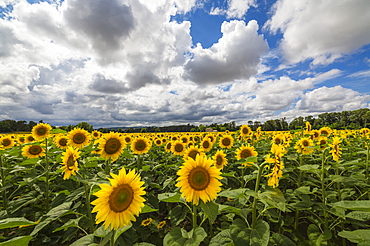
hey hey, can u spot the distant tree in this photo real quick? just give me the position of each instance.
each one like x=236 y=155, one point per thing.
x=86 y=126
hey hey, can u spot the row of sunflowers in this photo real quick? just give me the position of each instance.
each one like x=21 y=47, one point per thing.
x=306 y=187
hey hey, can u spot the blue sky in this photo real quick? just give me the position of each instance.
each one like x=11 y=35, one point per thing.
x=145 y=63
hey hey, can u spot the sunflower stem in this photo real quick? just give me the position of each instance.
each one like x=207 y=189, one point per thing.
x=5 y=198
x=194 y=215
x=47 y=175
x=254 y=206
x=88 y=207
x=242 y=178
x=367 y=163
x=323 y=191
x=112 y=242
x=298 y=185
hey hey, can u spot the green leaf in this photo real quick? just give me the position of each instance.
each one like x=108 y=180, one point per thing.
x=180 y=237
x=279 y=239
x=84 y=241
x=309 y=168
x=274 y=198
x=23 y=201
x=52 y=215
x=177 y=214
x=363 y=205
x=210 y=209
x=54 y=131
x=147 y=209
x=120 y=231
x=359 y=215
x=32 y=161
x=316 y=237
x=223 y=238
x=68 y=224
x=242 y=235
x=17 y=241
x=358 y=236
x=15 y=222
x=236 y=193
x=169 y=197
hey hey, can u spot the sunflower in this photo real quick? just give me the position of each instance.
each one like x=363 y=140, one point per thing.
x=96 y=134
x=140 y=145
x=245 y=151
x=161 y=224
x=315 y=134
x=220 y=159
x=336 y=151
x=168 y=146
x=6 y=142
x=41 y=131
x=112 y=146
x=308 y=128
x=118 y=202
x=245 y=130
x=70 y=164
x=78 y=138
x=61 y=141
x=128 y=139
x=226 y=141
x=178 y=148
x=206 y=145
x=33 y=151
x=322 y=142
x=198 y=179
x=192 y=152
x=21 y=140
x=184 y=139
x=30 y=138
x=146 y=222
x=325 y=131
x=304 y=146
x=278 y=139
x=158 y=141
x=277 y=171
x=365 y=132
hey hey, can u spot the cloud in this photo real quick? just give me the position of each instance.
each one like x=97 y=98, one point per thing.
x=322 y=31
x=361 y=74
x=235 y=9
x=106 y=24
x=104 y=85
x=235 y=56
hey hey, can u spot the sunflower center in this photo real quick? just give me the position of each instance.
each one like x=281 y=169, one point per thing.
x=121 y=198
x=322 y=142
x=168 y=146
x=246 y=153
x=219 y=160
x=226 y=141
x=277 y=141
x=245 y=131
x=324 y=132
x=6 y=142
x=205 y=144
x=199 y=178
x=35 y=150
x=30 y=138
x=79 y=138
x=305 y=143
x=112 y=146
x=41 y=131
x=179 y=148
x=193 y=154
x=140 y=145
x=70 y=162
x=127 y=139
x=63 y=142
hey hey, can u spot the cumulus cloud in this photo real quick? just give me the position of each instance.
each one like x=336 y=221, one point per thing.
x=235 y=56
x=235 y=9
x=320 y=30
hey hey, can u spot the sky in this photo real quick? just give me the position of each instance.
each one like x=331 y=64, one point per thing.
x=127 y=63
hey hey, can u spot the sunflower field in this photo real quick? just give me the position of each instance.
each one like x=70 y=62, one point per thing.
x=306 y=187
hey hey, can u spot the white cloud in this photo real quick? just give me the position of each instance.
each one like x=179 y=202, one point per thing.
x=361 y=74
x=236 y=55
x=235 y=9
x=320 y=30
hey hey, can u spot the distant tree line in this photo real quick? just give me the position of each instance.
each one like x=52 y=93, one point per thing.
x=355 y=119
